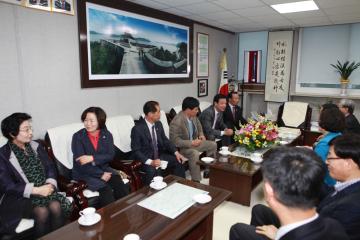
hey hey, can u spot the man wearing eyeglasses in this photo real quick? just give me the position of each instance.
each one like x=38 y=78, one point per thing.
x=341 y=203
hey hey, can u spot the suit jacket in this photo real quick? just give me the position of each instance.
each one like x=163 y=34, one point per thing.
x=15 y=188
x=320 y=228
x=344 y=206
x=229 y=120
x=141 y=141
x=352 y=124
x=92 y=172
x=179 y=130
x=207 y=119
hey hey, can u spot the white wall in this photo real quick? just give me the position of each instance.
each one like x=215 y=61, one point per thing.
x=40 y=71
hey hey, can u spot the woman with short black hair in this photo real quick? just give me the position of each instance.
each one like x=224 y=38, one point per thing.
x=93 y=150
x=28 y=187
x=332 y=123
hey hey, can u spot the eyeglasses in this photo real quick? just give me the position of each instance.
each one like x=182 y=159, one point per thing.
x=27 y=130
x=332 y=158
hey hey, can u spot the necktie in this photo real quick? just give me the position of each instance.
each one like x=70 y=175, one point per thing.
x=234 y=112
x=215 y=120
x=154 y=143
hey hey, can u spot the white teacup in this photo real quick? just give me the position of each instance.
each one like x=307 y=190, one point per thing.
x=88 y=214
x=224 y=149
x=163 y=164
x=158 y=180
x=132 y=236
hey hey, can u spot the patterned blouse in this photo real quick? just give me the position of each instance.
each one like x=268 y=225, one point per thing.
x=35 y=173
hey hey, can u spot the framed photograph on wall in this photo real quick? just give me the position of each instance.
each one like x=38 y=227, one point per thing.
x=202 y=56
x=39 y=4
x=202 y=87
x=122 y=43
x=63 y=6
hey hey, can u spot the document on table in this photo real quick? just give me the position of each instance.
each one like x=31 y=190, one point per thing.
x=241 y=151
x=171 y=201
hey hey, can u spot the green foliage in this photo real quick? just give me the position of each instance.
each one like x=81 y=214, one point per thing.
x=104 y=59
x=165 y=55
x=182 y=50
x=346 y=68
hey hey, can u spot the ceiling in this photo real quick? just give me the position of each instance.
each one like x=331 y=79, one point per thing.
x=256 y=15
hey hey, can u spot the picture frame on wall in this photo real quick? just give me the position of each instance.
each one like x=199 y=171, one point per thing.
x=202 y=87
x=63 y=6
x=122 y=43
x=39 y=4
x=202 y=56
x=252 y=66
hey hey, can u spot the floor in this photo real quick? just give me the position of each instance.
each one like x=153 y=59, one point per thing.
x=229 y=213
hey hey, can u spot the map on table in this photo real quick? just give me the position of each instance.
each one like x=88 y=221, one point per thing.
x=172 y=200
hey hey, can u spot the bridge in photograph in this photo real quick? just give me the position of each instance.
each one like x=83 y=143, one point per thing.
x=141 y=60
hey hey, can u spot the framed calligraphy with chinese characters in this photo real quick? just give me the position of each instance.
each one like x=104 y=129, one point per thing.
x=278 y=66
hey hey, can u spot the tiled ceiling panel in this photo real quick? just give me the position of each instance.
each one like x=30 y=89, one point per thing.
x=254 y=15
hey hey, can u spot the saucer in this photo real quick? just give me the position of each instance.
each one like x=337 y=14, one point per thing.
x=163 y=184
x=207 y=159
x=96 y=219
x=224 y=153
x=283 y=142
x=202 y=198
x=132 y=236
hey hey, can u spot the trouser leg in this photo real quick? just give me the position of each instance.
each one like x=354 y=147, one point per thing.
x=263 y=215
x=106 y=196
x=194 y=168
x=174 y=164
x=118 y=186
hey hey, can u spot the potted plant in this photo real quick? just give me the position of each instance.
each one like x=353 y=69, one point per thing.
x=345 y=69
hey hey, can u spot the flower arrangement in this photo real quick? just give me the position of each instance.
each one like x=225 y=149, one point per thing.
x=257 y=133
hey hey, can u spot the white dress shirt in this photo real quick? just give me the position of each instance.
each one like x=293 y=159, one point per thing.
x=150 y=125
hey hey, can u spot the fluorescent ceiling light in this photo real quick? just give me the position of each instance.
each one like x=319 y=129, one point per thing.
x=295 y=7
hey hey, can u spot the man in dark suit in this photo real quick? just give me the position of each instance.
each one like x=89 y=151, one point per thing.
x=232 y=113
x=212 y=120
x=347 y=107
x=62 y=4
x=150 y=145
x=292 y=182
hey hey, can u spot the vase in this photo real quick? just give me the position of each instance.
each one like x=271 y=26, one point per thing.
x=344 y=83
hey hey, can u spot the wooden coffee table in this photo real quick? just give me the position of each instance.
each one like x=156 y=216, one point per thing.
x=236 y=174
x=125 y=216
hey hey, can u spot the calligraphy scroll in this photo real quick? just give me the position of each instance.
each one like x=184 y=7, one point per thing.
x=278 y=66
